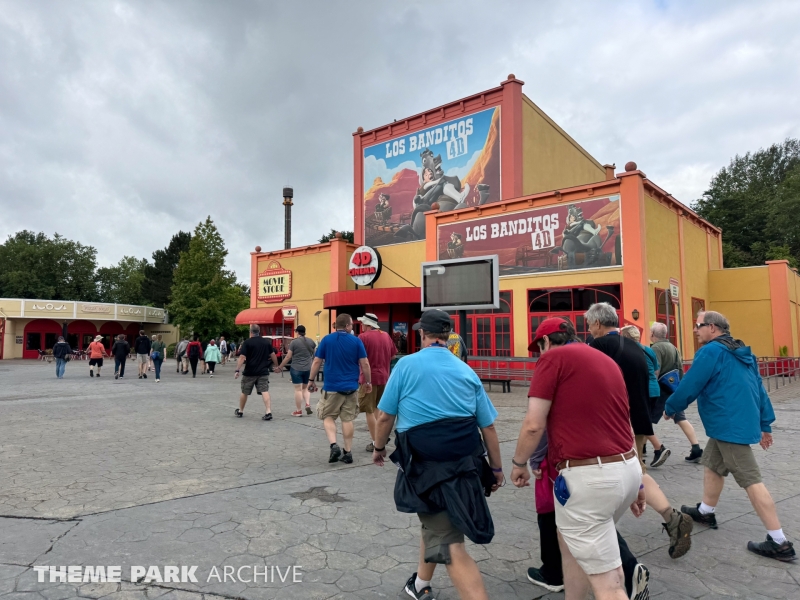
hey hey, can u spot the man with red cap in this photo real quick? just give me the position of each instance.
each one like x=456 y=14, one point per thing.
x=599 y=476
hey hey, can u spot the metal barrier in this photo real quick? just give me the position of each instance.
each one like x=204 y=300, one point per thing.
x=777 y=371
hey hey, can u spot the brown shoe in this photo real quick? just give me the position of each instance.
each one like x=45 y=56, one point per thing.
x=679 y=529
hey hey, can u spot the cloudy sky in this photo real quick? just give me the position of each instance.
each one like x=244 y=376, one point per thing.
x=124 y=122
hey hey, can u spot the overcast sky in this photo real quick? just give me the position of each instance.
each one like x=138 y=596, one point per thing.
x=124 y=122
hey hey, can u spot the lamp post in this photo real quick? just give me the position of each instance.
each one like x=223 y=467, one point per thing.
x=317 y=314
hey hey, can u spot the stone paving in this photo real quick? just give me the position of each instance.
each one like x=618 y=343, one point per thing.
x=130 y=472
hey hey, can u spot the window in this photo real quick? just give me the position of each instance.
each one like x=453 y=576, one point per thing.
x=665 y=313
x=50 y=340
x=489 y=330
x=698 y=305
x=569 y=303
x=33 y=341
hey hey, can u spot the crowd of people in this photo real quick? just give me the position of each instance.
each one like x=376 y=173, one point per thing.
x=591 y=410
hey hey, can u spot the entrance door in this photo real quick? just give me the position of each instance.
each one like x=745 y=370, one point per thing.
x=40 y=334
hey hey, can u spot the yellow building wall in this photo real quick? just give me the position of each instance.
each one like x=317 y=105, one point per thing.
x=743 y=296
x=310 y=280
x=551 y=159
x=695 y=254
x=405 y=260
x=520 y=285
x=716 y=263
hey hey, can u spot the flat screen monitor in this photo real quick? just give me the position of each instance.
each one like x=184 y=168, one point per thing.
x=461 y=283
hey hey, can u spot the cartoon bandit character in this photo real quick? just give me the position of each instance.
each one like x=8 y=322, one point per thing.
x=581 y=235
x=455 y=247
x=383 y=212
x=435 y=186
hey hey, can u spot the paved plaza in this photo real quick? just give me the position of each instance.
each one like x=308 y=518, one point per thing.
x=134 y=473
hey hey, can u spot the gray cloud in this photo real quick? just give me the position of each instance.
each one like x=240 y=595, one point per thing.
x=122 y=122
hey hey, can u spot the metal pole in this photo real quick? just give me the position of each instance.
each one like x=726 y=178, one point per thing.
x=462 y=325
x=288 y=194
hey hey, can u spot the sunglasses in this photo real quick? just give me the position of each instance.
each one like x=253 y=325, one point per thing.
x=701 y=325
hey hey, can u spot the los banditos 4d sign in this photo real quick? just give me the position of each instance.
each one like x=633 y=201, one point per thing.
x=365 y=265
x=274 y=283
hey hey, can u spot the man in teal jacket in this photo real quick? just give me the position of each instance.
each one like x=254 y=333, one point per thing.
x=736 y=412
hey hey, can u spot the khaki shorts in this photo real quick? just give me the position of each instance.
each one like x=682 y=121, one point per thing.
x=336 y=405
x=368 y=403
x=599 y=496
x=142 y=358
x=438 y=532
x=261 y=383
x=725 y=457
x=185 y=362
x=640 y=441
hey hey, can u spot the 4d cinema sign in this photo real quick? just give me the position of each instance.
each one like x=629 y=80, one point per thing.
x=365 y=265
x=274 y=283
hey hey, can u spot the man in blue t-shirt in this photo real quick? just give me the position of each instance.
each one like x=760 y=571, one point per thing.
x=345 y=358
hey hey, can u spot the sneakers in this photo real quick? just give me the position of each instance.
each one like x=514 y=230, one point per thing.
x=91 y=373
x=238 y=413
x=308 y=409
x=347 y=458
x=709 y=520
x=783 y=552
x=297 y=413
x=211 y=375
x=144 y=375
x=694 y=455
x=267 y=417
x=158 y=381
x=140 y=376
x=411 y=589
x=679 y=529
x=535 y=577
x=660 y=456
x=116 y=375
x=336 y=452
x=371 y=447
x=640 y=583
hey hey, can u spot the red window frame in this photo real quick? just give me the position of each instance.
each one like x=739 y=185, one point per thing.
x=662 y=297
x=486 y=327
x=612 y=290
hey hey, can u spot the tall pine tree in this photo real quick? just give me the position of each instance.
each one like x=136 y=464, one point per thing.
x=159 y=276
x=205 y=295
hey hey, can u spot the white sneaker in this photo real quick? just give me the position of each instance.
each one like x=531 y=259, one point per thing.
x=211 y=375
x=158 y=381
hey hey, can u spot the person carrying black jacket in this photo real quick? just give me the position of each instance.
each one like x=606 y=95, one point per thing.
x=440 y=406
x=120 y=351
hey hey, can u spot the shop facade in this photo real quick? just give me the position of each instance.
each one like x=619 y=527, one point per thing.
x=29 y=328
x=492 y=174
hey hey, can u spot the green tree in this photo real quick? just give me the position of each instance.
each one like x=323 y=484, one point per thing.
x=348 y=235
x=122 y=283
x=205 y=295
x=744 y=199
x=33 y=265
x=159 y=276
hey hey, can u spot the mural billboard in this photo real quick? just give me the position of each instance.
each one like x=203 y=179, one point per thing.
x=583 y=235
x=451 y=165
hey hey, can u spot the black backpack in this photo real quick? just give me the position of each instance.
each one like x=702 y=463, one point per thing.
x=194 y=351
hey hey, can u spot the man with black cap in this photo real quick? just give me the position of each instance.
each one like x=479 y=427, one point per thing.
x=441 y=411
x=380 y=351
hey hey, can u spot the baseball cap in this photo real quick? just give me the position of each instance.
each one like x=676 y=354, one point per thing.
x=369 y=319
x=547 y=327
x=301 y=329
x=434 y=321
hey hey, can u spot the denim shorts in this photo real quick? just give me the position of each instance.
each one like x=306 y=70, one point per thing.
x=299 y=376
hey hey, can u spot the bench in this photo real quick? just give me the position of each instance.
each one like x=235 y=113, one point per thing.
x=494 y=375
x=505 y=382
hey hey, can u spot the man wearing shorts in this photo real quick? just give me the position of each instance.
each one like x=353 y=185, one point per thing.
x=301 y=353
x=142 y=347
x=96 y=353
x=579 y=396
x=380 y=351
x=343 y=354
x=669 y=359
x=258 y=352
x=736 y=412
x=444 y=418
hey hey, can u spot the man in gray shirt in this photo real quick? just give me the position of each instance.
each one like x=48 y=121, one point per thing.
x=301 y=353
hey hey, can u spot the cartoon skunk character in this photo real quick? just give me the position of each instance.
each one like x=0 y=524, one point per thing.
x=581 y=236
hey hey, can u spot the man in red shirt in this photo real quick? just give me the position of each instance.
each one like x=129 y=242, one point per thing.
x=579 y=396
x=380 y=351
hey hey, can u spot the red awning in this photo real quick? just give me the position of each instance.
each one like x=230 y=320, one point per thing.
x=402 y=295
x=259 y=316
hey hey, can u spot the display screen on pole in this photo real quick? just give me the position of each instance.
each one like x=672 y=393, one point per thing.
x=461 y=284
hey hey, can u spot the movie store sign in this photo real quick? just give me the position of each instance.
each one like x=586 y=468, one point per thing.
x=365 y=266
x=559 y=237
x=274 y=283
